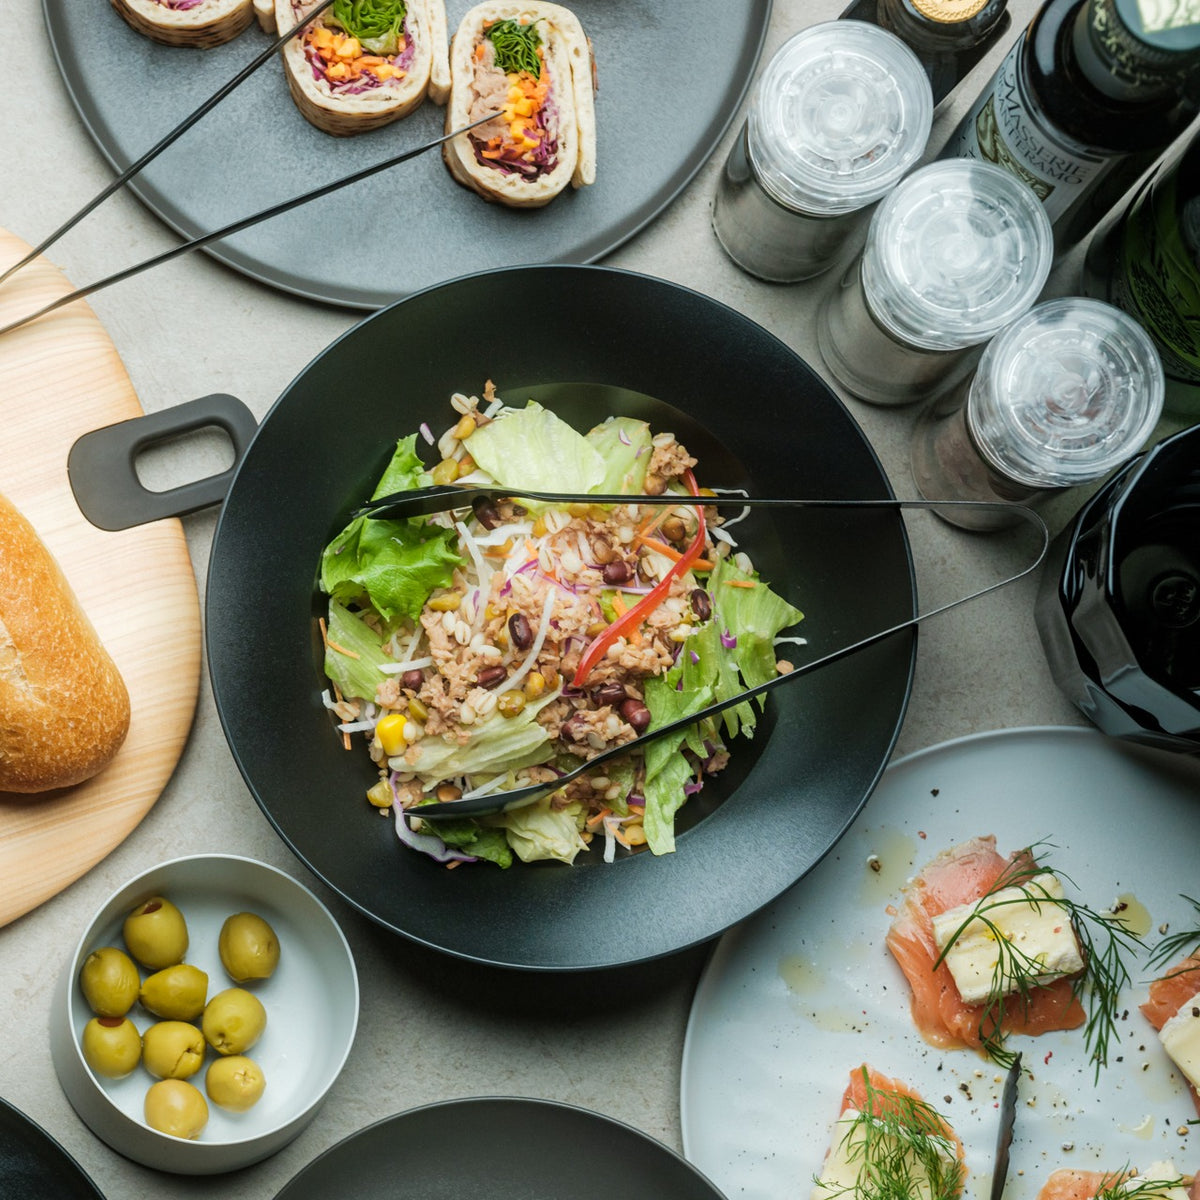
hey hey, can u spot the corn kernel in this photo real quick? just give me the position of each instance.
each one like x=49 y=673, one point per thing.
x=381 y=794
x=539 y=527
x=635 y=835
x=465 y=427
x=390 y=732
x=535 y=685
x=445 y=472
x=466 y=465
x=446 y=602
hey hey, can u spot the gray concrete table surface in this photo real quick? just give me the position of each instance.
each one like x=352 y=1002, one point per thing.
x=611 y=1043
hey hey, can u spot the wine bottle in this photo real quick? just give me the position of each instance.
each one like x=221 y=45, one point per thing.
x=1146 y=260
x=1084 y=102
x=948 y=36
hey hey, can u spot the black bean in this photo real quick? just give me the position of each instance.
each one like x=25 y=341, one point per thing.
x=701 y=604
x=412 y=679
x=519 y=631
x=486 y=514
x=636 y=713
x=617 y=572
x=490 y=676
x=608 y=693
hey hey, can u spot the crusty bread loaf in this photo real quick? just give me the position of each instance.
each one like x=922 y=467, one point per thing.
x=344 y=114
x=569 y=110
x=64 y=709
x=206 y=24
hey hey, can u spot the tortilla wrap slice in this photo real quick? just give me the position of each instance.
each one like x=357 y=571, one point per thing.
x=520 y=159
x=362 y=100
x=208 y=23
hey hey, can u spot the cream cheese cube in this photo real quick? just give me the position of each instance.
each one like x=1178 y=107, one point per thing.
x=1180 y=1037
x=1158 y=1172
x=846 y=1159
x=1029 y=920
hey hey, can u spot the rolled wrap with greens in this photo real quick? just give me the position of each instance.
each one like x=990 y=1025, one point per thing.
x=364 y=63
x=199 y=23
x=533 y=64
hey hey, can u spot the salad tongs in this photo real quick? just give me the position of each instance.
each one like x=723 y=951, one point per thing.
x=437 y=499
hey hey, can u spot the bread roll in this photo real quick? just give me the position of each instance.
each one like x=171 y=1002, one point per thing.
x=64 y=710
x=200 y=23
x=345 y=92
x=523 y=158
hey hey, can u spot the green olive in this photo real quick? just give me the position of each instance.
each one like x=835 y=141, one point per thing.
x=233 y=1021
x=112 y=1046
x=156 y=933
x=177 y=993
x=173 y=1050
x=109 y=981
x=175 y=1107
x=248 y=947
x=235 y=1082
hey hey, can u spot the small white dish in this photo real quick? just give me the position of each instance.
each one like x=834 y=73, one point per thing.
x=312 y=1003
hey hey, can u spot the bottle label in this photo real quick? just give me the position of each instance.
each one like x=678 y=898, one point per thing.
x=1156 y=280
x=1000 y=129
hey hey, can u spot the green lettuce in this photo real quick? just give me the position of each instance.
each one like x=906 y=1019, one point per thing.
x=393 y=565
x=354 y=676
x=625 y=445
x=473 y=838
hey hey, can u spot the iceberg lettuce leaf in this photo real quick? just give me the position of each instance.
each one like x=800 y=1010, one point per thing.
x=531 y=447
x=625 y=445
x=538 y=831
x=356 y=677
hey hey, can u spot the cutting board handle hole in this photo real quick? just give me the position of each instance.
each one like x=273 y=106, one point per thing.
x=203 y=452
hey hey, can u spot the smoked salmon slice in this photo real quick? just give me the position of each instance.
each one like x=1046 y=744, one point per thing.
x=889 y=1141
x=963 y=875
x=1178 y=986
x=1084 y=1185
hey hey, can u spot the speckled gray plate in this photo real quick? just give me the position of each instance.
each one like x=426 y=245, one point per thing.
x=33 y=1165
x=668 y=89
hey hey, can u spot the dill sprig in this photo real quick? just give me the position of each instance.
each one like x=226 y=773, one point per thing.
x=1103 y=942
x=1120 y=1185
x=516 y=46
x=1177 y=945
x=903 y=1150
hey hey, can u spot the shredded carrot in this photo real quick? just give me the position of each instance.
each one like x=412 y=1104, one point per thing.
x=667 y=551
x=619 y=605
x=594 y=822
x=742 y=583
x=479 y=52
x=619 y=834
x=323 y=629
x=341 y=649
x=454 y=862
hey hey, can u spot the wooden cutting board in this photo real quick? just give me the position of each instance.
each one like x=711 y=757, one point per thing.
x=60 y=377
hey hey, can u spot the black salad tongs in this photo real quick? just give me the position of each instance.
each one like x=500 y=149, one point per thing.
x=424 y=501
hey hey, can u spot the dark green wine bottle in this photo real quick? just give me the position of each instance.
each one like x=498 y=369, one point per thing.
x=1146 y=260
x=1083 y=104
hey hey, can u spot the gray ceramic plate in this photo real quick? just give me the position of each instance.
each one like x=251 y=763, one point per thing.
x=502 y=1148
x=668 y=89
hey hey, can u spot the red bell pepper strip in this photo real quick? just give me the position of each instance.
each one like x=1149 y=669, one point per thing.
x=648 y=603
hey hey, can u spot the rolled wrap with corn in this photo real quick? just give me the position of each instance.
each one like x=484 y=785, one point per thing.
x=198 y=23
x=361 y=64
x=532 y=63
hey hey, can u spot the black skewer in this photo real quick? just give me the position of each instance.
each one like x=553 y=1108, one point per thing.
x=130 y=171
x=237 y=226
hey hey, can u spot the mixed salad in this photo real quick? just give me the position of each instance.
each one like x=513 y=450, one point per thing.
x=481 y=649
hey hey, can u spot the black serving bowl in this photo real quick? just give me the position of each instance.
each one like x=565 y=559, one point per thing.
x=587 y=342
